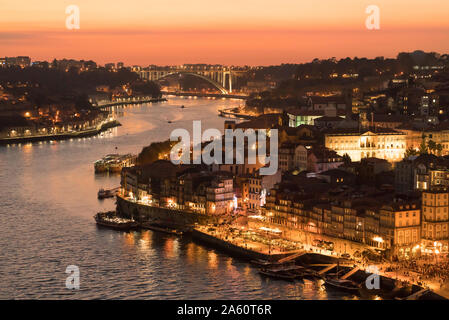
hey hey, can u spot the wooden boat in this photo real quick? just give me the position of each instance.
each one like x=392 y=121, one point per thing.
x=162 y=229
x=266 y=263
x=277 y=275
x=342 y=285
x=312 y=274
x=302 y=272
x=285 y=268
x=261 y=263
x=110 y=220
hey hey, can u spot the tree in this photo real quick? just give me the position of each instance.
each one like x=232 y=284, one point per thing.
x=154 y=152
x=432 y=146
x=439 y=149
x=347 y=159
x=423 y=145
x=410 y=152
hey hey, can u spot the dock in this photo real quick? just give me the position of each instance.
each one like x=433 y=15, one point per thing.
x=350 y=273
x=328 y=268
x=291 y=257
x=417 y=295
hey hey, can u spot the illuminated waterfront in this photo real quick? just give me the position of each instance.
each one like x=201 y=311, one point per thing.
x=49 y=196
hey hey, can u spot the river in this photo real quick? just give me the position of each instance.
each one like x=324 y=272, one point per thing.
x=48 y=199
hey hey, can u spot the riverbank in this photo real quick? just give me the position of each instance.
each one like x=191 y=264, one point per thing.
x=235 y=245
x=165 y=217
x=265 y=243
x=205 y=95
x=390 y=287
x=228 y=113
x=62 y=136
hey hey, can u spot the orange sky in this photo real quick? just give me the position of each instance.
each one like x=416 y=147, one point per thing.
x=235 y=32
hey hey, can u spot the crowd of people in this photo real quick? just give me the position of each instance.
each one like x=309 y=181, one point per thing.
x=423 y=270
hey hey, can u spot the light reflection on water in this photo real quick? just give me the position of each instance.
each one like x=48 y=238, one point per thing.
x=48 y=199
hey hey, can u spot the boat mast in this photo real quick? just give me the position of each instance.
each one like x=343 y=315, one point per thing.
x=338 y=267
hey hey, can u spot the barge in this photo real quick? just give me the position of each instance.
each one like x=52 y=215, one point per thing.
x=114 y=163
x=103 y=194
x=110 y=220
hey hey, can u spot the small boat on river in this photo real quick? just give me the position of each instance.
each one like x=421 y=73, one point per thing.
x=103 y=194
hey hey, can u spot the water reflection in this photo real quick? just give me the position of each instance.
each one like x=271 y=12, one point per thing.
x=212 y=259
x=50 y=190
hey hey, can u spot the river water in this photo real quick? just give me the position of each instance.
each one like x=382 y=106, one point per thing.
x=49 y=196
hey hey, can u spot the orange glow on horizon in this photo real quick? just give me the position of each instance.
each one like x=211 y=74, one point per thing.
x=236 y=32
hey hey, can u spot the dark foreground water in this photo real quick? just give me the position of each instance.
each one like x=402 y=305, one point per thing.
x=48 y=196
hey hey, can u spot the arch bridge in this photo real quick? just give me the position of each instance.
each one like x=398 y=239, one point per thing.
x=220 y=78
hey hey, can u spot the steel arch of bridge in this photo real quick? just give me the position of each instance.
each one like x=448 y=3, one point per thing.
x=213 y=82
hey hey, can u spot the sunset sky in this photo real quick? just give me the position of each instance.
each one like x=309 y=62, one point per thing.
x=238 y=32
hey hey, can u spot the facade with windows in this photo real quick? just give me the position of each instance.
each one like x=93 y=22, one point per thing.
x=384 y=143
x=435 y=225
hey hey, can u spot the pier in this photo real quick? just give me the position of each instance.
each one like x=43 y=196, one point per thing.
x=205 y=95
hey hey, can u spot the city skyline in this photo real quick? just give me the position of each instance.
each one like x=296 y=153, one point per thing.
x=231 y=34
x=249 y=151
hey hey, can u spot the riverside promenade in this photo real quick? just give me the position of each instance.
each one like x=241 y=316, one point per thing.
x=126 y=101
x=264 y=244
x=61 y=136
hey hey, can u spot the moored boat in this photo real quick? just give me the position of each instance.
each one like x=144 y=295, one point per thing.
x=110 y=220
x=102 y=194
x=114 y=163
x=261 y=263
x=162 y=229
x=342 y=285
x=278 y=275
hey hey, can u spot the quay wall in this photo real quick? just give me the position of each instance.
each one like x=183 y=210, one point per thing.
x=119 y=103
x=389 y=287
x=164 y=217
x=232 y=248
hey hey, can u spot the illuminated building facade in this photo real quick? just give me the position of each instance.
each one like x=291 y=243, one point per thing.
x=400 y=228
x=382 y=143
x=435 y=225
x=220 y=197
